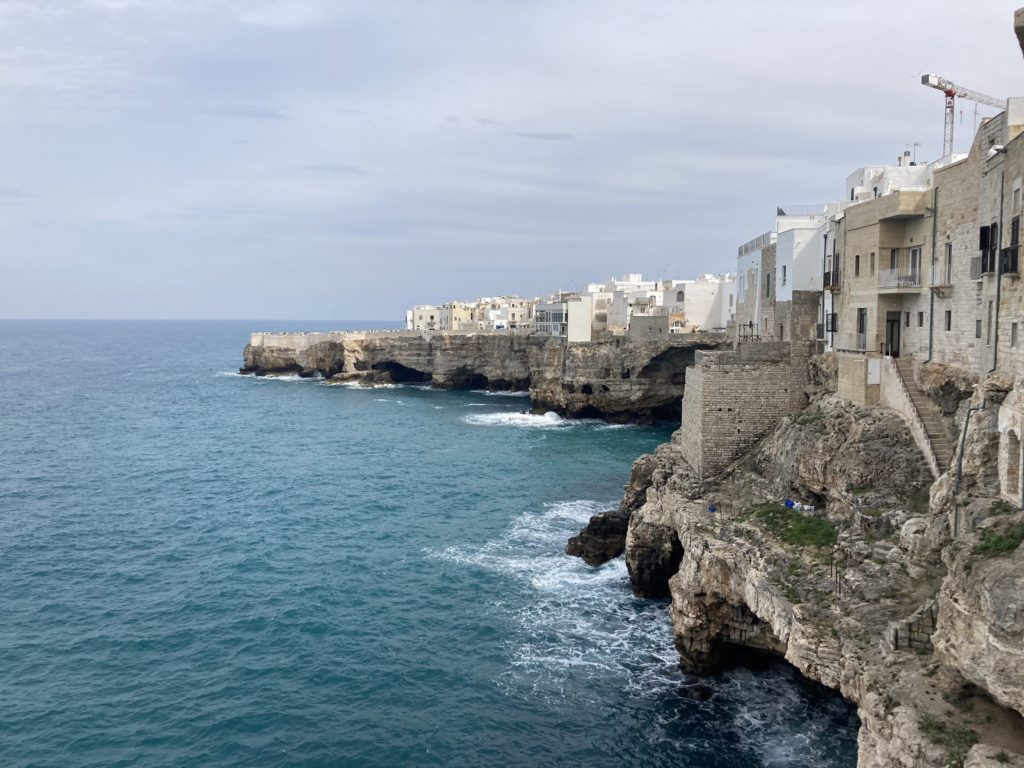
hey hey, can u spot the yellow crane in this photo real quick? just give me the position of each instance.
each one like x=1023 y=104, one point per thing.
x=952 y=91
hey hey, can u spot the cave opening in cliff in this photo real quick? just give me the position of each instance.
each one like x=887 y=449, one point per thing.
x=466 y=378
x=402 y=374
x=670 y=411
x=669 y=366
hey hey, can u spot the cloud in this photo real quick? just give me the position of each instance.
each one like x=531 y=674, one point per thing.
x=545 y=135
x=339 y=168
x=247 y=113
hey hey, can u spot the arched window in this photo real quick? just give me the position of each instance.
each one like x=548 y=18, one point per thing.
x=679 y=295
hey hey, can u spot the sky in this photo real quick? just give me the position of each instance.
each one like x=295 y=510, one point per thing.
x=348 y=159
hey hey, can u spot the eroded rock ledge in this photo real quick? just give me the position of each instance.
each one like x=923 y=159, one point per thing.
x=866 y=594
x=618 y=380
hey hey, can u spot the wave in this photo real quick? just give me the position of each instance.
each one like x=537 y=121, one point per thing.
x=549 y=420
x=501 y=393
x=361 y=385
x=271 y=377
x=577 y=631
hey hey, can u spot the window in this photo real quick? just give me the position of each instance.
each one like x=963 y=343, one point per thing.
x=907 y=323
x=856 y=265
x=832 y=322
x=984 y=236
x=679 y=296
x=949 y=320
x=1013 y=334
x=783 y=274
x=977 y=329
x=768 y=285
x=862 y=320
x=871 y=264
x=894 y=257
x=920 y=319
x=988 y=326
x=915 y=261
x=1016 y=199
x=1015 y=231
x=948 y=274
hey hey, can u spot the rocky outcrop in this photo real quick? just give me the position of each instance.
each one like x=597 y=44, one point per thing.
x=946 y=385
x=602 y=539
x=981 y=608
x=845 y=592
x=617 y=379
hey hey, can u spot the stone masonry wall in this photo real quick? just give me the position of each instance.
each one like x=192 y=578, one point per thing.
x=732 y=400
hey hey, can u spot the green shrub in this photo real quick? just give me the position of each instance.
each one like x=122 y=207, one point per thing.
x=1001 y=507
x=957 y=739
x=1000 y=543
x=794 y=527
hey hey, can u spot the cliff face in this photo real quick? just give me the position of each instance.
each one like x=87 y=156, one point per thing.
x=616 y=379
x=849 y=593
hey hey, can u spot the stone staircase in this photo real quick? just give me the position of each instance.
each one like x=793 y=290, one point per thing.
x=928 y=413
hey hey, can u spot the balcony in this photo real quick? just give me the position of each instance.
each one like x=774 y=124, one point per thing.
x=852 y=342
x=900 y=279
x=831 y=280
x=988 y=263
x=1008 y=260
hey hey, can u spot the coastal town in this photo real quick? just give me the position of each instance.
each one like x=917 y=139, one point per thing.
x=917 y=263
x=844 y=485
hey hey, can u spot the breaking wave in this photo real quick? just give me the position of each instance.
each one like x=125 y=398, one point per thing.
x=578 y=632
x=549 y=420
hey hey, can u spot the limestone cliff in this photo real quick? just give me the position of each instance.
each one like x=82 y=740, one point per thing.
x=854 y=592
x=617 y=379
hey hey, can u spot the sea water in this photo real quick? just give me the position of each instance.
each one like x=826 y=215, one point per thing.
x=199 y=568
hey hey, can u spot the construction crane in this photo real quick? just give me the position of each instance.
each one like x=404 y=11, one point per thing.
x=952 y=90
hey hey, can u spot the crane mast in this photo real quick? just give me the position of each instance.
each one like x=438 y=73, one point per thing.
x=951 y=91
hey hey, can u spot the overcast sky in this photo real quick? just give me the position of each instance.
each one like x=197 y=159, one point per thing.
x=259 y=159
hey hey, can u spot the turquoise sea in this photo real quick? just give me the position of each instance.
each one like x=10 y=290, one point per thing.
x=203 y=569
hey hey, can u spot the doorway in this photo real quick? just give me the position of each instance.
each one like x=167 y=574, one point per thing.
x=892 y=333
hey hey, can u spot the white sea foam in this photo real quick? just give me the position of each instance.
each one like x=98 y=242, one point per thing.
x=576 y=623
x=549 y=420
x=270 y=376
x=502 y=393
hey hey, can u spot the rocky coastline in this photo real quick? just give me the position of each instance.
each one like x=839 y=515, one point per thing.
x=617 y=379
x=867 y=593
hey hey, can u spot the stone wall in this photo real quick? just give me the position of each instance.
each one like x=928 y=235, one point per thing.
x=734 y=398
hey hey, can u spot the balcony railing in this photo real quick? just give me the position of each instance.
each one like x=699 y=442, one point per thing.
x=759 y=242
x=988 y=263
x=942 y=274
x=857 y=342
x=976 y=268
x=899 y=278
x=831 y=280
x=1008 y=260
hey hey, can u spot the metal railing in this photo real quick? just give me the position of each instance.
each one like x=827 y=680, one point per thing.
x=856 y=342
x=942 y=274
x=831 y=280
x=899 y=278
x=1008 y=260
x=759 y=242
x=820 y=209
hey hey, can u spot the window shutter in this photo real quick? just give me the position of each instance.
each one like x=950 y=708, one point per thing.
x=983 y=239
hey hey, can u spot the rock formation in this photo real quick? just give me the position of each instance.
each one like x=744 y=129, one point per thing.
x=618 y=379
x=866 y=593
